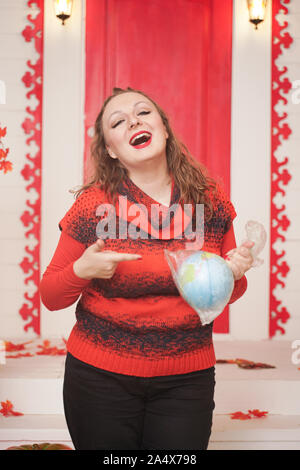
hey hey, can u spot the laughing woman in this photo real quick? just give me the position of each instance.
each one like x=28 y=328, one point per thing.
x=139 y=371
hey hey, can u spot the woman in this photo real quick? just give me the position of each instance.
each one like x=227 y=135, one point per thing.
x=140 y=366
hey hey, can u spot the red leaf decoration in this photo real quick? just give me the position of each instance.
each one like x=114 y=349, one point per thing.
x=240 y=415
x=245 y=364
x=251 y=414
x=10 y=347
x=7 y=409
x=2 y=132
x=16 y=356
x=47 y=350
x=43 y=349
x=5 y=165
x=258 y=414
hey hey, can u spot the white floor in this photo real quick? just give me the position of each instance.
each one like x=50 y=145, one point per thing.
x=34 y=386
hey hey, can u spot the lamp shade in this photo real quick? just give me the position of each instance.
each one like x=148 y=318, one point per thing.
x=63 y=9
x=257 y=11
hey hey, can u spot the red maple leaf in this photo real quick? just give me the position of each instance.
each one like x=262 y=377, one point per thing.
x=258 y=414
x=10 y=347
x=240 y=415
x=16 y=356
x=6 y=166
x=7 y=409
x=2 y=132
x=245 y=364
x=47 y=350
x=3 y=152
x=251 y=414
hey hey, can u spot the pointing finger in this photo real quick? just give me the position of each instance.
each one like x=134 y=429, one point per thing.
x=118 y=257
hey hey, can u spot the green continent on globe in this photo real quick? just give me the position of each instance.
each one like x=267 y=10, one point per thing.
x=188 y=275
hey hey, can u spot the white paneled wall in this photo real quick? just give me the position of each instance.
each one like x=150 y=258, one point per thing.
x=250 y=160
x=62 y=151
x=14 y=52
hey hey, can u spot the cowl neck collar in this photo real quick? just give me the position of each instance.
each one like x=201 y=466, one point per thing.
x=152 y=217
x=136 y=195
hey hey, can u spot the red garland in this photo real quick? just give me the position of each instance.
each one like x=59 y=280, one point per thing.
x=280 y=176
x=31 y=172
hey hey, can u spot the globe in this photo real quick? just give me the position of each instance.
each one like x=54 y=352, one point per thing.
x=206 y=282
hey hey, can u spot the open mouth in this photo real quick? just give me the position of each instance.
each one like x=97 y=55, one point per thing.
x=141 y=139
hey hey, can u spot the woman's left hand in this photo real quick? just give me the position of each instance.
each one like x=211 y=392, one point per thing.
x=240 y=259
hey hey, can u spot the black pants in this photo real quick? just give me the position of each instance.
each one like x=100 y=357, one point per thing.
x=108 y=411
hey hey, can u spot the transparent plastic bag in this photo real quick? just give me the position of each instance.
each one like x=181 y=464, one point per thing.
x=205 y=280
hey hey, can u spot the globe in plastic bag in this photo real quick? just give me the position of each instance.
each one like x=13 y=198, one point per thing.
x=205 y=279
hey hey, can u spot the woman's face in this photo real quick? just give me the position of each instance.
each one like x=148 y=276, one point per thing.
x=133 y=130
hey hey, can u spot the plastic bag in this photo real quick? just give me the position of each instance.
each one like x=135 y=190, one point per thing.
x=205 y=280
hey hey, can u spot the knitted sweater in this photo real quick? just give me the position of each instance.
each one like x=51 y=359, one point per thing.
x=135 y=323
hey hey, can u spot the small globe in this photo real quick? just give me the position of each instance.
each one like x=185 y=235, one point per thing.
x=205 y=281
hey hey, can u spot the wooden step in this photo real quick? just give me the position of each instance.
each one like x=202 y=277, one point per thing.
x=274 y=432
x=34 y=384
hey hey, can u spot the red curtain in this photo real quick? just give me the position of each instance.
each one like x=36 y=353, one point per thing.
x=178 y=52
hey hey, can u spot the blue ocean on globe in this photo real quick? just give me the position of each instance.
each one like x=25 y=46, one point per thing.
x=205 y=281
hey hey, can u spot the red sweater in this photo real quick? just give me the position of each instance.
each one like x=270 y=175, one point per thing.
x=135 y=323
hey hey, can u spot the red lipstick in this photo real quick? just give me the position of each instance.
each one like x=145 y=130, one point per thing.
x=142 y=139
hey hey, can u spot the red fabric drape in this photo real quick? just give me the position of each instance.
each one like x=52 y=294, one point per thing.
x=178 y=52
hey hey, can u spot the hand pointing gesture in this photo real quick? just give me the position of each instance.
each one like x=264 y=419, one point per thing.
x=95 y=262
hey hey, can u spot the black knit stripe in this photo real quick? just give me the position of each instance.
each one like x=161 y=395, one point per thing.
x=156 y=341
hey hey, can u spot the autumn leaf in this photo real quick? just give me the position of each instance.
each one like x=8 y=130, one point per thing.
x=7 y=409
x=3 y=153
x=2 y=132
x=5 y=166
x=47 y=350
x=251 y=414
x=10 y=347
x=16 y=356
x=240 y=415
x=245 y=364
x=258 y=414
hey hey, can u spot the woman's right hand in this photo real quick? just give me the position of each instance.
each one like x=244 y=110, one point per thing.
x=98 y=263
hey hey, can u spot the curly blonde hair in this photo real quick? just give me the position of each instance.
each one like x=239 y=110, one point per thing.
x=189 y=175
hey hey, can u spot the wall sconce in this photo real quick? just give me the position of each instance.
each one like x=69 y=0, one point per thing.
x=257 y=11
x=63 y=9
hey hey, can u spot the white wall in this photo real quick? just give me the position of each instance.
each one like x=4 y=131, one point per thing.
x=63 y=119
x=250 y=160
x=63 y=114
x=14 y=52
